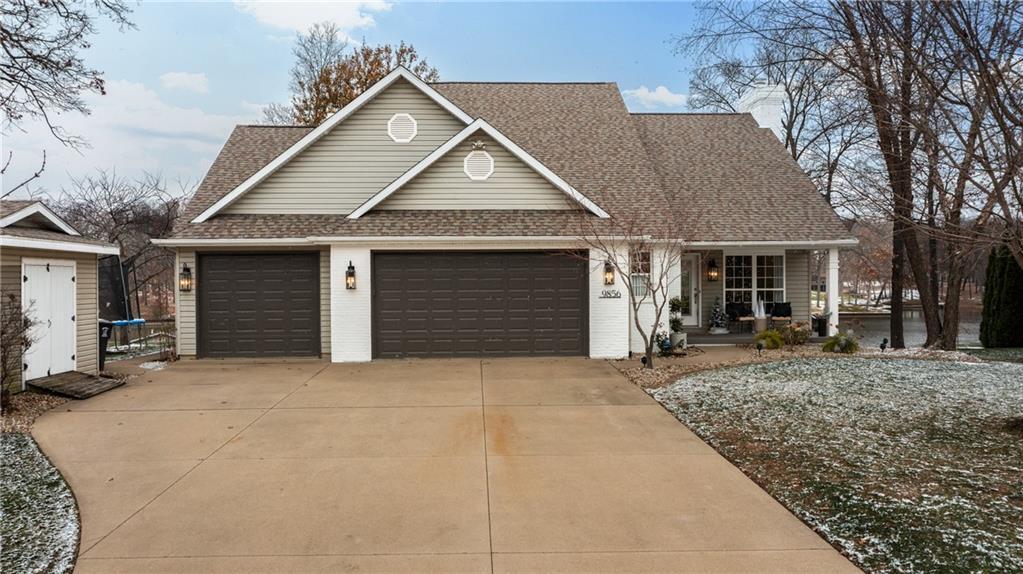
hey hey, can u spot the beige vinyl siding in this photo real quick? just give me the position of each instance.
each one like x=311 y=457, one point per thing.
x=709 y=290
x=325 y=302
x=185 y=305
x=86 y=303
x=444 y=185
x=186 y=302
x=354 y=160
x=797 y=283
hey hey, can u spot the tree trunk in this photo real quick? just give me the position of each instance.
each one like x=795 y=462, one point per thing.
x=895 y=322
x=953 y=288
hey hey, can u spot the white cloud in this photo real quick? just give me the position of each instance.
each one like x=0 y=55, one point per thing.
x=131 y=130
x=187 y=81
x=299 y=16
x=659 y=97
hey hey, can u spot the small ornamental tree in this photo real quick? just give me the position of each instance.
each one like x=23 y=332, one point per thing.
x=1001 y=322
x=645 y=252
x=15 y=339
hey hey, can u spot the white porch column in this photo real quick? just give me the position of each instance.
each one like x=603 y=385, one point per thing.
x=834 y=291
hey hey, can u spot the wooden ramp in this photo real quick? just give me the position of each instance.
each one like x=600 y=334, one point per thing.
x=75 y=385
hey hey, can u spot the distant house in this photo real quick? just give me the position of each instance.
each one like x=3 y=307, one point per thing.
x=48 y=268
x=420 y=221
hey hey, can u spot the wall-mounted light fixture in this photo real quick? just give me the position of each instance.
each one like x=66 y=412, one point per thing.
x=350 y=276
x=185 y=279
x=713 y=273
x=609 y=273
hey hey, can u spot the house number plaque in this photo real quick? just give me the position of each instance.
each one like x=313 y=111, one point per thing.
x=610 y=294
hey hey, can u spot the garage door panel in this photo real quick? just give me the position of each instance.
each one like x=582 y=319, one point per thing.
x=472 y=304
x=253 y=305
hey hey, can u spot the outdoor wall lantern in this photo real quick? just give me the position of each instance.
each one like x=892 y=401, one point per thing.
x=185 y=279
x=350 y=276
x=609 y=273
x=713 y=273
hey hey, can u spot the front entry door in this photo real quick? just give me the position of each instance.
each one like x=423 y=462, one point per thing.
x=689 y=290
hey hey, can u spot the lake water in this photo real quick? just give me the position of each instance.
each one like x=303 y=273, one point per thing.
x=874 y=329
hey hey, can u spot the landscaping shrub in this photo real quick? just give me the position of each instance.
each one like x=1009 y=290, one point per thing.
x=841 y=343
x=797 y=333
x=771 y=338
x=1001 y=323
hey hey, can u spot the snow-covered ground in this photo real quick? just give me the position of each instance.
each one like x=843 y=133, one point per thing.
x=908 y=465
x=38 y=515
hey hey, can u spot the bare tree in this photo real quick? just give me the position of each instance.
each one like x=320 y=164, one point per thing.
x=43 y=72
x=820 y=126
x=322 y=46
x=129 y=213
x=16 y=324
x=645 y=252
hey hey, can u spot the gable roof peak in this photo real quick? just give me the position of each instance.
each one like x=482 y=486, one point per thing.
x=328 y=124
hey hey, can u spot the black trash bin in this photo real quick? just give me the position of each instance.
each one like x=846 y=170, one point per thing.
x=106 y=329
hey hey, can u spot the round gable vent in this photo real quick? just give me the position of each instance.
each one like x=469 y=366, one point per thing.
x=402 y=128
x=478 y=165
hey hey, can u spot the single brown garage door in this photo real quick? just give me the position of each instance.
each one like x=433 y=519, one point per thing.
x=470 y=304
x=259 y=305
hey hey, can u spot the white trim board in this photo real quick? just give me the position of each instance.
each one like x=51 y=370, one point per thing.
x=70 y=246
x=328 y=124
x=41 y=209
x=478 y=125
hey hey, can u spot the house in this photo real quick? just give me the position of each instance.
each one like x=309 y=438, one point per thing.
x=50 y=270
x=437 y=220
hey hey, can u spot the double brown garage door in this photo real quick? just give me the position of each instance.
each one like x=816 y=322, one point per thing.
x=259 y=305
x=425 y=304
x=471 y=304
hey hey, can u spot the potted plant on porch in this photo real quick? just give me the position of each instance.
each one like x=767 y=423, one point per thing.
x=678 y=335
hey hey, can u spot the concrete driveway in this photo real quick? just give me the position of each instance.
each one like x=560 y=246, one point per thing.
x=499 y=465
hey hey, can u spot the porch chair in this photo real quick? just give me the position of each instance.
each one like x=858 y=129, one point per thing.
x=740 y=313
x=780 y=312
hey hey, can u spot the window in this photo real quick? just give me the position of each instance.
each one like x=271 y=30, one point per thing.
x=771 y=278
x=739 y=279
x=749 y=278
x=639 y=273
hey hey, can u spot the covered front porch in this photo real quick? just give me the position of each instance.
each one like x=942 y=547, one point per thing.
x=737 y=275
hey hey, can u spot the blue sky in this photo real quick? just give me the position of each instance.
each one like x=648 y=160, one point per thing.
x=190 y=71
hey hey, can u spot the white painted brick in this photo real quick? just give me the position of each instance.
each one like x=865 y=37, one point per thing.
x=350 y=309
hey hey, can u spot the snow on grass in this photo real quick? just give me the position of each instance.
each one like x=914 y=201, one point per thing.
x=907 y=465
x=153 y=365
x=38 y=515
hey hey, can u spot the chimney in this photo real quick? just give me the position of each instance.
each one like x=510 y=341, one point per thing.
x=764 y=102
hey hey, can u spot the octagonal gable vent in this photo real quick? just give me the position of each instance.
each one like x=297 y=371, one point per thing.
x=402 y=128
x=478 y=164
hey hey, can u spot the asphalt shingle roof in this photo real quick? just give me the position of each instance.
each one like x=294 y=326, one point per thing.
x=733 y=180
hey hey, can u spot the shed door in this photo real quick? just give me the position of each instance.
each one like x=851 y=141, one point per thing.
x=259 y=305
x=429 y=304
x=48 y=295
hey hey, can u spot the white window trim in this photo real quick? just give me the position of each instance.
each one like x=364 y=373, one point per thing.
x=636 y=273
x=415 y=127
x=465 y=165
x=753 y=289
